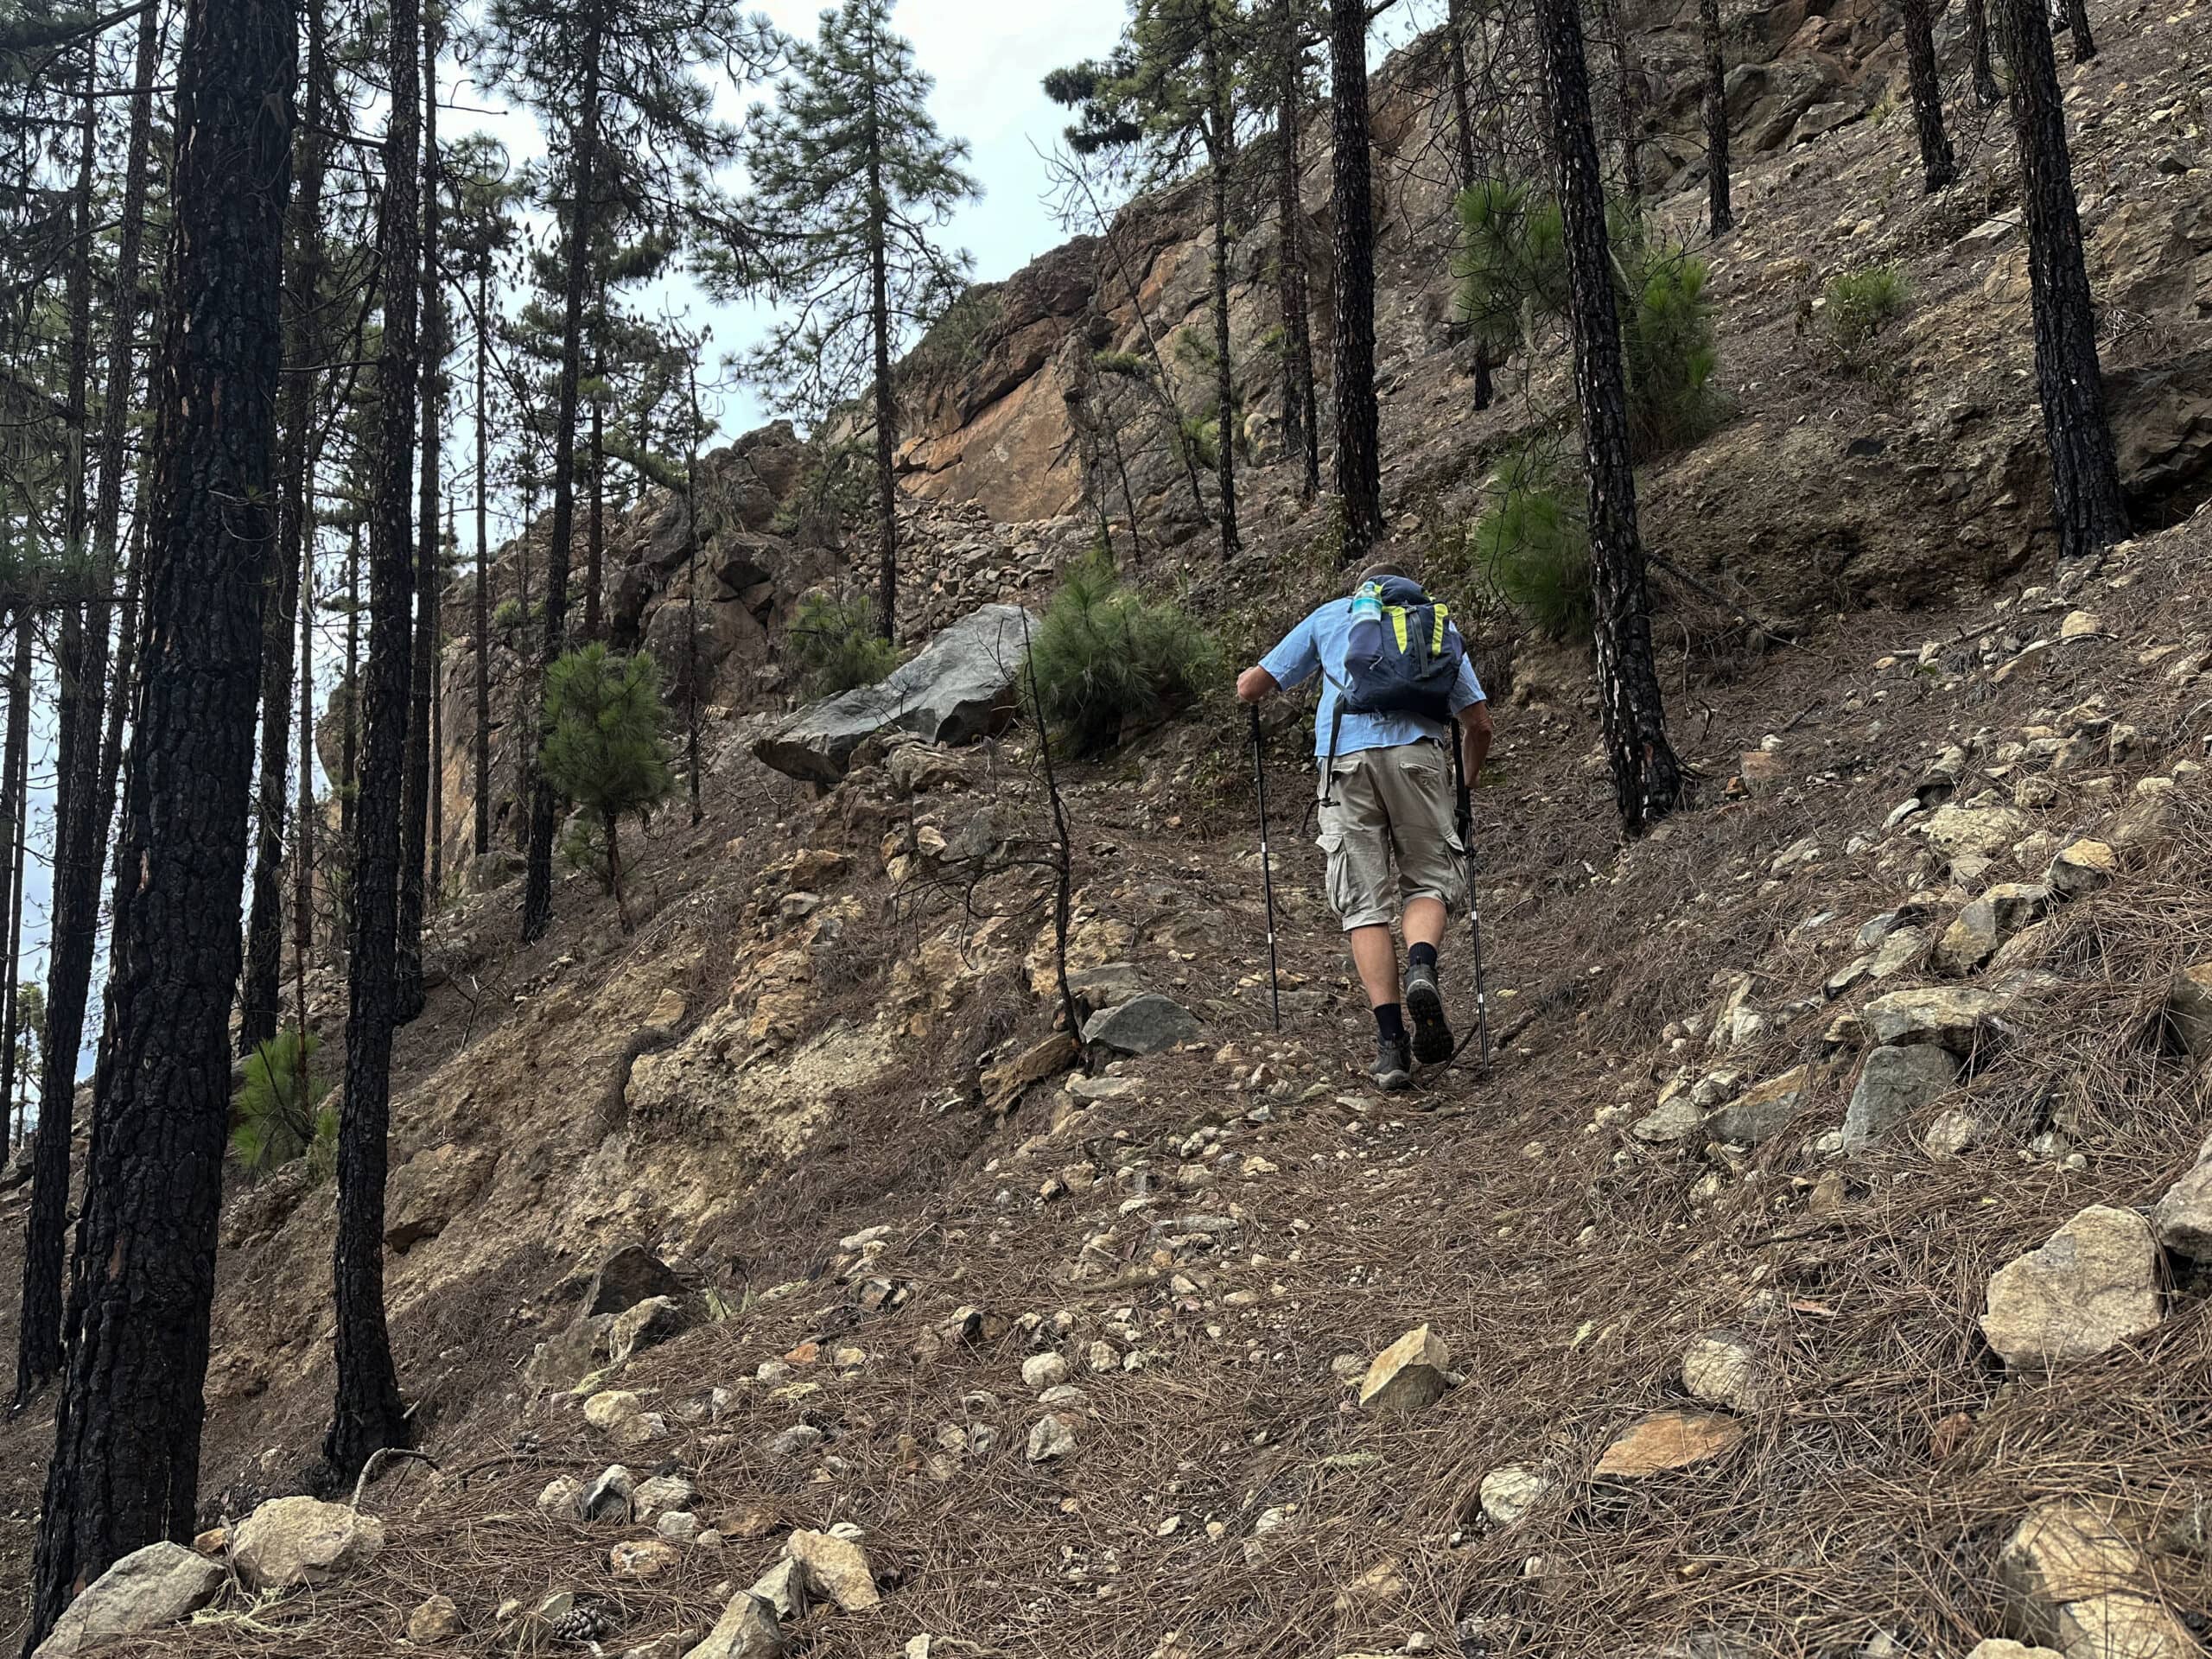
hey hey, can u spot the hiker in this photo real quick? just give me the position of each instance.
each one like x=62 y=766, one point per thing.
x=1396 y=680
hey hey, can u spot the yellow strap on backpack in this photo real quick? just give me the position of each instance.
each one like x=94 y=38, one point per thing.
x=1397 y=614
x=1436 y=646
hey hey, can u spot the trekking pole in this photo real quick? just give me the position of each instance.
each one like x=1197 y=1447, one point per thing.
x=1465 y=824
x=1267 y=867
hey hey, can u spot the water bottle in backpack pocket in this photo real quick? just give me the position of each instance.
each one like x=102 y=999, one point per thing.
x=1403 y=655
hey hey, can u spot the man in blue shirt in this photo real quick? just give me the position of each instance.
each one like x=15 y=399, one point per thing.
x=1387 y=799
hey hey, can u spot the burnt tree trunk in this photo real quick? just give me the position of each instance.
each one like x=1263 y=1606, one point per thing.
x=2085 y=497
x=1722 y=216
x=2077 y=25
x=1463 y=131
x=1938 y=168
x=367 y=1414
x=421 y=768
x=1647 y=780
x=1625 y=113
x=1359 y=471
x=1986 y=92
x=80 y=673
x=126 y=1461
x=15 y=767
x=887 y=405
x=483 y=744
x=349 y=731
x=259 y=998
x=1301 y=414
x=544 y=801
x=1221 y=154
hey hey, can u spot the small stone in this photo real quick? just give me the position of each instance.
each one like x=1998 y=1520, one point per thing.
x=1998 y=1647
x=637 y=1560
x=1721 y=1369
x=1985 y=832
x=2081 y=868
x=1509 y=1493
x=2072 y=1579
x=435 y=1621
x=677 y=1526
x=1050 y=1437
x=1044 y=1371
x=835 y=1569
x=662 y=1493
x=621 y=1416
x=793 y=1443
x=562 y=1498
x=2189 y=1010
x=1953 y=1016
x=1664 y=1442
x=649 y=1323
x=608 y=1498
x=1761 y=1113
x=2081 y=625
x=2093 y=1287
x=1408 y=1375
x=1953 y=1133
x=2183 y=1217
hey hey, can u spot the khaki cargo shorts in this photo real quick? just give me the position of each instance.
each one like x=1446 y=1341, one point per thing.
x=1385 y=805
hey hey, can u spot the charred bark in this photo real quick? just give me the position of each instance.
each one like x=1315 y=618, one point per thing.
x=367 y=1414
x=1221 y=153
x=1938 y=168
x=1359 y=472
x=2086 y=499
x=1647 y=779
x=1718 y=212
x=125 y=1467
x=1301 y=414
x=544 y=802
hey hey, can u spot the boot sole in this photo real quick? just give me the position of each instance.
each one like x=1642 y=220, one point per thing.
x=1432 y=1037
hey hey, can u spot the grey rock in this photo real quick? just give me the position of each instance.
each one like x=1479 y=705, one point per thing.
x=959 y=688
x=748 y=1629
x=2094 y=1286
x=1893 y=1084
x=2183 y=1217
x=608 y=1498
x=629 y=1276
x=1761 y=1113
x=570 y=1355
x=144 y=1591
x=648 y=1323
x=1143 y=1025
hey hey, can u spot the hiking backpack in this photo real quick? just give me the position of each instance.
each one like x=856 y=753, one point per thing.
x=1404 y=654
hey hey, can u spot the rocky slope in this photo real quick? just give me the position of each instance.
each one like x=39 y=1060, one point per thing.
x=1819 y=1270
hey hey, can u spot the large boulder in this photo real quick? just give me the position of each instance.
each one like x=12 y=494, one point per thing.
x=2093 y=1287
x=958 y=689
x=290 y=1541
x=145 y=1590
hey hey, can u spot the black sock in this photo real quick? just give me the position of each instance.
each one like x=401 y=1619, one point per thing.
x=1390 y=1022
x=1422 y=955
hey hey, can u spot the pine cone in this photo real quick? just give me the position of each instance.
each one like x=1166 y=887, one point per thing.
x=584 y=1622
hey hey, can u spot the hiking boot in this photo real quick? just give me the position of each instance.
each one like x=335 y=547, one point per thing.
x=1394 y=1067
x=1425 y=1003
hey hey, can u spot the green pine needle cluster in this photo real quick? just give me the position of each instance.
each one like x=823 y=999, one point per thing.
x=1511 y=269
x=1107 y=660
x=273 y=1121
x=835 y=646
x=1533 y=545
x=604 y=748
x=1859 y=305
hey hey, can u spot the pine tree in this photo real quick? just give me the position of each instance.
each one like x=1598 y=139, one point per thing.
x=125 y=1468
x=1647 y=779
x=587 y=68
x=1938 y=168
x=1458 y=26
x=2091 y=511
x=1720 y=216
x=484 y=201
x=850 y=166
x=368 y=1414
x=604 y=747
x=1301 y=418
x=1168 y=92
x=420 y=770
x=1359 y=464
x=298 y=420
x=1986 y=92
